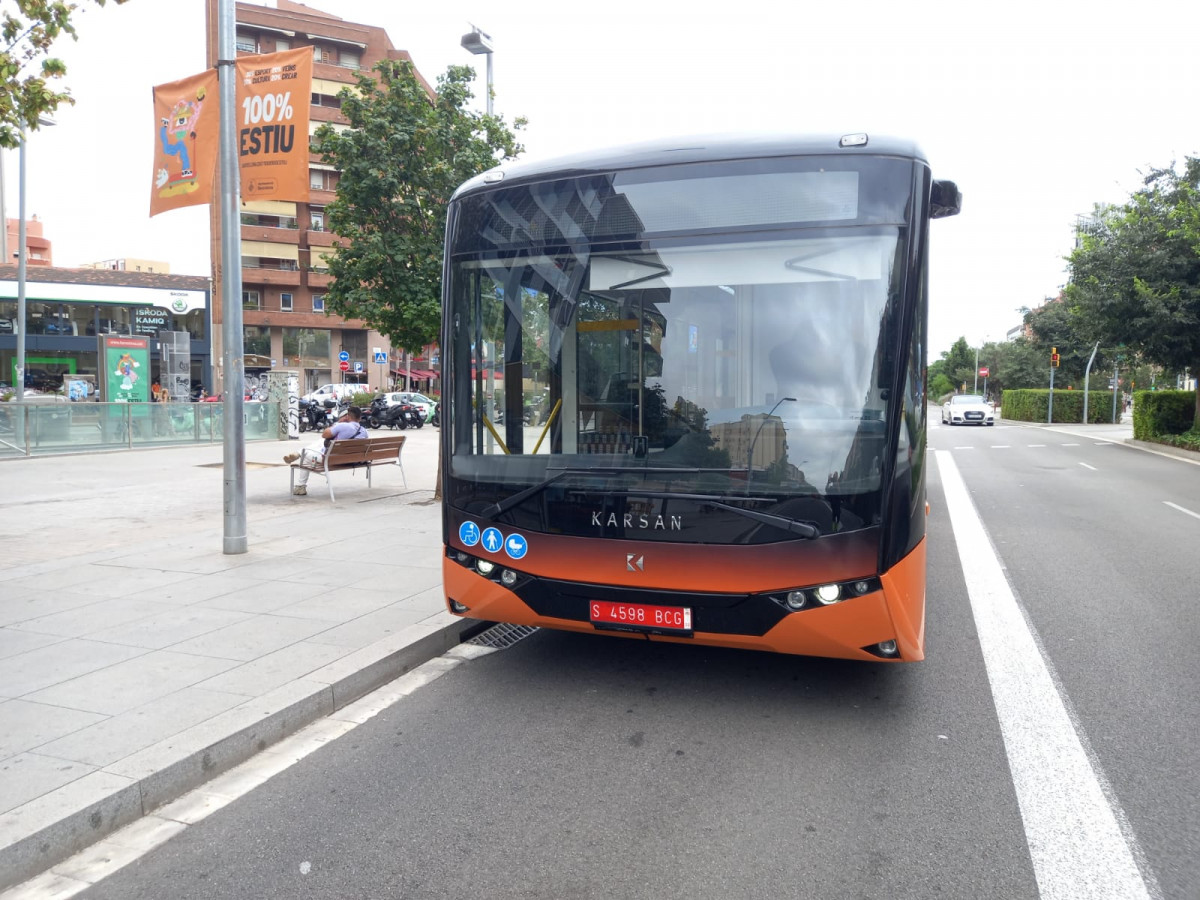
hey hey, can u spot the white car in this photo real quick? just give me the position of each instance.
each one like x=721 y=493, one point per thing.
x=423 y=404
x=968 y=409
x=334 y=392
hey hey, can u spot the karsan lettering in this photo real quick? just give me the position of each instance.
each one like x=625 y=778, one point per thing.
x=267 y=139
x=639 y=521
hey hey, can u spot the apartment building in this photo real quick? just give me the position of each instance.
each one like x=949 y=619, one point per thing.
x=286 y=245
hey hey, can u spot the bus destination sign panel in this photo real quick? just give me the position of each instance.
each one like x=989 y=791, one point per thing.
x=640 y=616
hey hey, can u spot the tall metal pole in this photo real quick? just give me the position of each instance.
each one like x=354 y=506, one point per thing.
x=975 y=389
x=231 y=290
x=1050 y=405
x=489 y=82
x=21 y=254
x=1116 y=387
x=1086 y=375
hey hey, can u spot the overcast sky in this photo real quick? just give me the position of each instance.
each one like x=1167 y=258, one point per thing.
x=1037 y=109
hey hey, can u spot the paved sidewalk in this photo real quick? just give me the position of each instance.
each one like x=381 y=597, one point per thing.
x=137 y=660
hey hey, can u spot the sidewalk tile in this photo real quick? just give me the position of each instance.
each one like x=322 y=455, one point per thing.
x=14 y=641
x=84 y=620
x=46 y=666
x=27 y=776
x=167 y=628
x=380 y=624
x=251 y=639
x=127 y=685
x=275 y=669
x=263 y=597
x=21 y=607
x=28 y=725
x=122 y=735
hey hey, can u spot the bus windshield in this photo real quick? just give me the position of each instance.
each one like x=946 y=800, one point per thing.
x=723 y=335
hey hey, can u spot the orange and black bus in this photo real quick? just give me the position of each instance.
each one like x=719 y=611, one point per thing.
x=684 y=393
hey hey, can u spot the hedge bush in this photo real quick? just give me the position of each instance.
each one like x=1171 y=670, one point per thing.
x=1161 y=414
x=361 y=400
x=1029 y=405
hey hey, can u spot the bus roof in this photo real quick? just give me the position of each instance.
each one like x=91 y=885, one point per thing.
x=682 y=150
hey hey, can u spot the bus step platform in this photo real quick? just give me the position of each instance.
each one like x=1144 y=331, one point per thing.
x=501 y=636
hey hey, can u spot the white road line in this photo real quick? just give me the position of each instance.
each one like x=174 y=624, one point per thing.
x=1086 y=466
x=1079 y=840
x=1001 y=446
x=1035 y=445
x=1070 y=445
x=964 y=448
x=1182 y=509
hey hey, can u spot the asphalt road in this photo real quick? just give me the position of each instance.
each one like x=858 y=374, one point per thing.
x=573 y=766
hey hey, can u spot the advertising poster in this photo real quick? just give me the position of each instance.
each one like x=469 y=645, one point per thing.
x=273 y=95
x=126 y=369
x=187 y=130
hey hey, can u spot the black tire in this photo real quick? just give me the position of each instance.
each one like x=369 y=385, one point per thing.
x=303 y=425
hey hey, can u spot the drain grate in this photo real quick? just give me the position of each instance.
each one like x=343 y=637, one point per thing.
x=502 y=636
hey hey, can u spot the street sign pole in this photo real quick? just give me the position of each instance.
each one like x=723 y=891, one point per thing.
x=1050 y=405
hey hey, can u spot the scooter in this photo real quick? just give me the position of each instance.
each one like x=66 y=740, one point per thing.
x=401 y=415
x=316 y=416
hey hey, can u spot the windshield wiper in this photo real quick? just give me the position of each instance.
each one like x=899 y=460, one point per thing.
x=795 y=526
x=493 y=510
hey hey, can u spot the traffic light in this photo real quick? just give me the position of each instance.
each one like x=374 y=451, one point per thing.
x=1054 y=357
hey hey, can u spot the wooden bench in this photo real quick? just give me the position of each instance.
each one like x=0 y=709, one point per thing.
x=355 y=453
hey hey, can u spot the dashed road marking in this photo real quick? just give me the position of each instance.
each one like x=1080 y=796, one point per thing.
x=1182 y=509
x=1086 y=466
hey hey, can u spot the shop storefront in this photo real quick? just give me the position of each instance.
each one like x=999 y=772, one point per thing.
x=67 y=310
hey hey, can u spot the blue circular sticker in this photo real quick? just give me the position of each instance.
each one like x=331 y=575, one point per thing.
x=492 y=540
x=516 y=546
x=468 y=533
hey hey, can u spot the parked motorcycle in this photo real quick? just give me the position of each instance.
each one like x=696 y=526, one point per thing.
x=316 y=416
x=399 y=415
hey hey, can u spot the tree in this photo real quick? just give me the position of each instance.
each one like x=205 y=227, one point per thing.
x=25 y=94
x=403 y=155
x=1135 y=276
x=957 y=364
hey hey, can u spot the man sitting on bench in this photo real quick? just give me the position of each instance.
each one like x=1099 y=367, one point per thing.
x=348 y=427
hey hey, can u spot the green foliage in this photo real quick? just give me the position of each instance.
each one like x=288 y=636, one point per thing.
x=25 y=91
x=940 y=386
x=1032 y=405
x=1135 y=276
x=957 y=364
x=401 y=159
x=1157 y=414
x=361 y=399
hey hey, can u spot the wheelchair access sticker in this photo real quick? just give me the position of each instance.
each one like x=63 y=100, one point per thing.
x=468 y=533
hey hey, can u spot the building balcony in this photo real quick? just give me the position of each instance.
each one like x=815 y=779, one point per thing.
x=320 y=238
x=274 y=235
x=252 y=276
x=318 y=278
x=327 y=114
x=320 y=198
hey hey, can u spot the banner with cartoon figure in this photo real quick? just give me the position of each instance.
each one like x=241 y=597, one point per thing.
x=126 y=369
x=187 y=132
x=273 y=95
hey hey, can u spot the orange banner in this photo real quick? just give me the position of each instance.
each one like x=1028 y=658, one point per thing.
x=273 y=95
x=187 y=129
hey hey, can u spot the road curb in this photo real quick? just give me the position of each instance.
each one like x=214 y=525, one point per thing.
x=76 y=817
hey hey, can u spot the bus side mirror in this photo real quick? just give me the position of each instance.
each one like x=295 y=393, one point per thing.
x=944 y=200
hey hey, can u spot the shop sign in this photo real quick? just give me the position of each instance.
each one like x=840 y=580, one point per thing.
x=151 y=320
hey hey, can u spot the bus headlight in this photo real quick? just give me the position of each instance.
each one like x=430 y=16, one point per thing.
x=795 y=600
x=828 y=594
x=484 y=567
x=508 y=577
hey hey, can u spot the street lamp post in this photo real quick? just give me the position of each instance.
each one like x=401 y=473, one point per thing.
x=479 y=42
x=22 y=253
x=766 y=418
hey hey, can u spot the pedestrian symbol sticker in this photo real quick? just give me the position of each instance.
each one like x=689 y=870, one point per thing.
x=515 y=546
x=492 y=540
x=468 y=533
